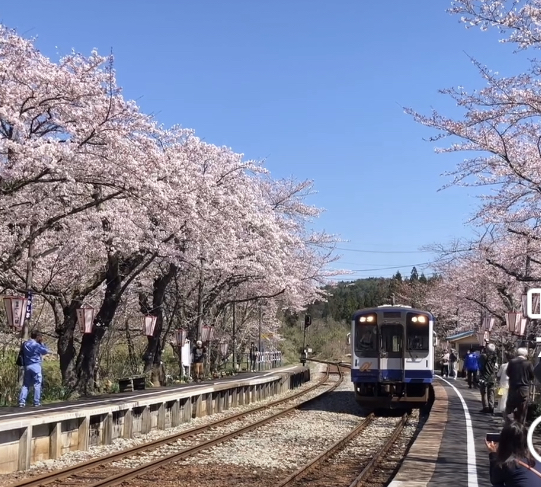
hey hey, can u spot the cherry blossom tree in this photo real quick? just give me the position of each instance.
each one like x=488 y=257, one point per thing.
x=121 y=214
x=519 y=19
x=67 y=140
x=499 y=131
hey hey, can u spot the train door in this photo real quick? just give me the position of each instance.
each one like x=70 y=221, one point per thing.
x=392 y=352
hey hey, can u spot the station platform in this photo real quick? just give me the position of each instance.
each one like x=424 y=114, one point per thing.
x=32 y=434
x=450 y=449
x=8 y=413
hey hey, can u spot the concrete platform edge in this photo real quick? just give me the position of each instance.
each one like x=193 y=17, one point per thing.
x=38 y=437
x=422 y=457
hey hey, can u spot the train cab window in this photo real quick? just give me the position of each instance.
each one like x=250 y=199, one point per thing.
x=366 y=340
x=417 y=332
x=392 y=339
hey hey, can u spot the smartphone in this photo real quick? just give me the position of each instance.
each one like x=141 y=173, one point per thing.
x=495 y=437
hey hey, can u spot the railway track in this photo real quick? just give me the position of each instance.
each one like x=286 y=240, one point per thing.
x=101 y=471
x=319 y=472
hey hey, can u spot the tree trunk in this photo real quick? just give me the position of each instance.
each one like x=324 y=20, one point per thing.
x=117 y=270
x=153 y=354
x=66 y=352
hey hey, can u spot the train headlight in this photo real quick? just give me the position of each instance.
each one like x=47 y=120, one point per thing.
x=414 y=319
x=422 y=319
x=370 y=318
x=363 y=319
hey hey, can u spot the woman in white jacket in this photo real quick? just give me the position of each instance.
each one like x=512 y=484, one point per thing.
x=503 y=385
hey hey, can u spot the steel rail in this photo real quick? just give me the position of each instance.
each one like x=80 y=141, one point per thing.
x=72 y=470
x=337 y=364
x=329 y=452
x=363 y=476
x=187 y=452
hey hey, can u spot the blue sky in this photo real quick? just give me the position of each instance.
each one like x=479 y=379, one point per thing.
x=316 y=88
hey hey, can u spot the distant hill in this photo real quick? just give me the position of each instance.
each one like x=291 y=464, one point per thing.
x=347 y=297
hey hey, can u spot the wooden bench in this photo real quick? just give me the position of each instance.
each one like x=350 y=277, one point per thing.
x=130 y=384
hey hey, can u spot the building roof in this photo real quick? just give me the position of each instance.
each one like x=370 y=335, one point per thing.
x=459 y=336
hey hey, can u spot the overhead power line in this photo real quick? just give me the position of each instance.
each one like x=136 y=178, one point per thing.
x=384 y=251
x=390 y=267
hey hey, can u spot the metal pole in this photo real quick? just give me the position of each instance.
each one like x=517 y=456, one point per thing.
x=234 y=338
x=29 y=282
x=259 y=345
x=200 y=301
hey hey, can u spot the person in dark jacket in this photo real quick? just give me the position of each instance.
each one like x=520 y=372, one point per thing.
x=511 y=463
x=253 y=356
x=452 y=364
x=199 y=354
x=487 y=377
x=521 y=376
x=471 y=364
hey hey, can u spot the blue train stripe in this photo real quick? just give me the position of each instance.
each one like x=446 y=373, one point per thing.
x=425 y=376
x=419 y=374
x=365 y=376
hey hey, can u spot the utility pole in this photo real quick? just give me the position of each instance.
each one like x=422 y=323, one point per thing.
x=393 y=299
x=28 y=286
x=234 y=335
x=259 y=345
x=527 y=274
x=200 y=302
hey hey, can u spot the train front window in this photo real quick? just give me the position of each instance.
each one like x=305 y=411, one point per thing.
x=392 y=337
x=366 y=340
x=417 y=332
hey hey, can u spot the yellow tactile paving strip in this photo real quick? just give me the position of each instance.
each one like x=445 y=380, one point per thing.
x=419 y=465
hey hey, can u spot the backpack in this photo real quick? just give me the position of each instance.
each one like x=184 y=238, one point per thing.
x=20 y=357
x=452 y=357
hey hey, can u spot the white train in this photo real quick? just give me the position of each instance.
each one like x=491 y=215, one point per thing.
x=392 y=356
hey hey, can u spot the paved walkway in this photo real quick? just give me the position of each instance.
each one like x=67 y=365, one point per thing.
x=451 y=450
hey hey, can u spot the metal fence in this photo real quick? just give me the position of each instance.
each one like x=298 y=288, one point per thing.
x=263 y=361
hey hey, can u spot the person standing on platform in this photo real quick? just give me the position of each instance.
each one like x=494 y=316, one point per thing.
x=521 y=376
x=471 y=364
x=511 y=463
x=32 y=352
x=487 y=377
x=253 y=356
x=199 y=354
x=445 y=364
x=452 y=364
x=503 y=384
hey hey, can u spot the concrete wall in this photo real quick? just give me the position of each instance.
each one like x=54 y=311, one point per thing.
x=28 y=438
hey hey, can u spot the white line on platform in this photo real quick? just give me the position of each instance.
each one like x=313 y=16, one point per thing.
x=471 y=457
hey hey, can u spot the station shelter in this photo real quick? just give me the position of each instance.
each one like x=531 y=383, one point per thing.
x=462 y=343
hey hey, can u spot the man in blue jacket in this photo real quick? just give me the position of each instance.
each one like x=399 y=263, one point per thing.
x=471 y=364
x=32 y=351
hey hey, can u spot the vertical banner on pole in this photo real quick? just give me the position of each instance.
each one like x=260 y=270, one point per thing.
x=187 y=356
x=29 y=297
